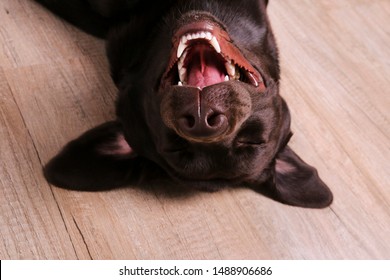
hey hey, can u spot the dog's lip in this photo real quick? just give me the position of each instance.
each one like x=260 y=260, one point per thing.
x=228 y=50
x=194 y=27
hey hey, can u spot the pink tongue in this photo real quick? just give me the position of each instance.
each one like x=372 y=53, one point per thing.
x=205 y=69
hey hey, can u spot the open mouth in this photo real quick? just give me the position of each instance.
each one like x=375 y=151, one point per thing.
x=204 y=55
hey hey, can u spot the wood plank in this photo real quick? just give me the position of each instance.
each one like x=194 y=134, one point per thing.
x=337 y=113
x=31 y=35
x=46 y=89
x=31 y=225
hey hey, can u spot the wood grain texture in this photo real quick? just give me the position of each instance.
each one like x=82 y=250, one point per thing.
x=54 y=85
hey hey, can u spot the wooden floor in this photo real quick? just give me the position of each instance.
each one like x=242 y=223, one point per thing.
x=54 y=85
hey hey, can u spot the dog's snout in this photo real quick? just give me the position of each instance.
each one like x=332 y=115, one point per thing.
x=202 y=123
x=212 y=114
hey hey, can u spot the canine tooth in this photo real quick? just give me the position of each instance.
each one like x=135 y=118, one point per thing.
x=227 y=78
x=180 y=49
x=183 y=74
x=215 y=44
x=253 y=79
x=183 y=39
x=208 y=36
x=180 y=64
x=231 y=69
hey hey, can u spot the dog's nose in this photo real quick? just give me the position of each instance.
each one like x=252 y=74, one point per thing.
x=202 y=123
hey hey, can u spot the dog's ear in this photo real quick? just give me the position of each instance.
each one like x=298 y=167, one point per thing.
x=99 y=159
x=297 y=183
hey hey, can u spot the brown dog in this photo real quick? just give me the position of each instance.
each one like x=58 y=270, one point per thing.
x=198 y=101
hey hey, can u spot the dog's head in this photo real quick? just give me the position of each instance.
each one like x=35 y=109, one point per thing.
x=199 y=97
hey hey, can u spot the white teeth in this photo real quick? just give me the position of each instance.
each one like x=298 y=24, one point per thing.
x=182 y=52
x=183 y=75
x=180 y=63
x=181 y=69
x=182 y=47
x=231 y=69
x=215 y=44
x=194 y=36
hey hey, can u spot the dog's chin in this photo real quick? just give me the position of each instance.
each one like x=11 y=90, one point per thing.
x=194 y=176
x=211 y=182
x=204 y=184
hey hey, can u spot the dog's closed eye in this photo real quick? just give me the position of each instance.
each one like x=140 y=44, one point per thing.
x=251 y=134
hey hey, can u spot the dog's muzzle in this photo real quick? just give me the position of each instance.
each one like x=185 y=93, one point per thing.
x=199 y=86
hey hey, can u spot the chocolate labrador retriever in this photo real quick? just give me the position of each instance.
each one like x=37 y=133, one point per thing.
x=198 y=101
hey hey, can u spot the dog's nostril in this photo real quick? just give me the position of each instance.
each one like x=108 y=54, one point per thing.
x=214 y=119
x=205 y=125
x=189 y=121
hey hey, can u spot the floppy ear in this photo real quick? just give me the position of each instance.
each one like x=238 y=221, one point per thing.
x=99 y=159
x=297 y=183
x=264 y=2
